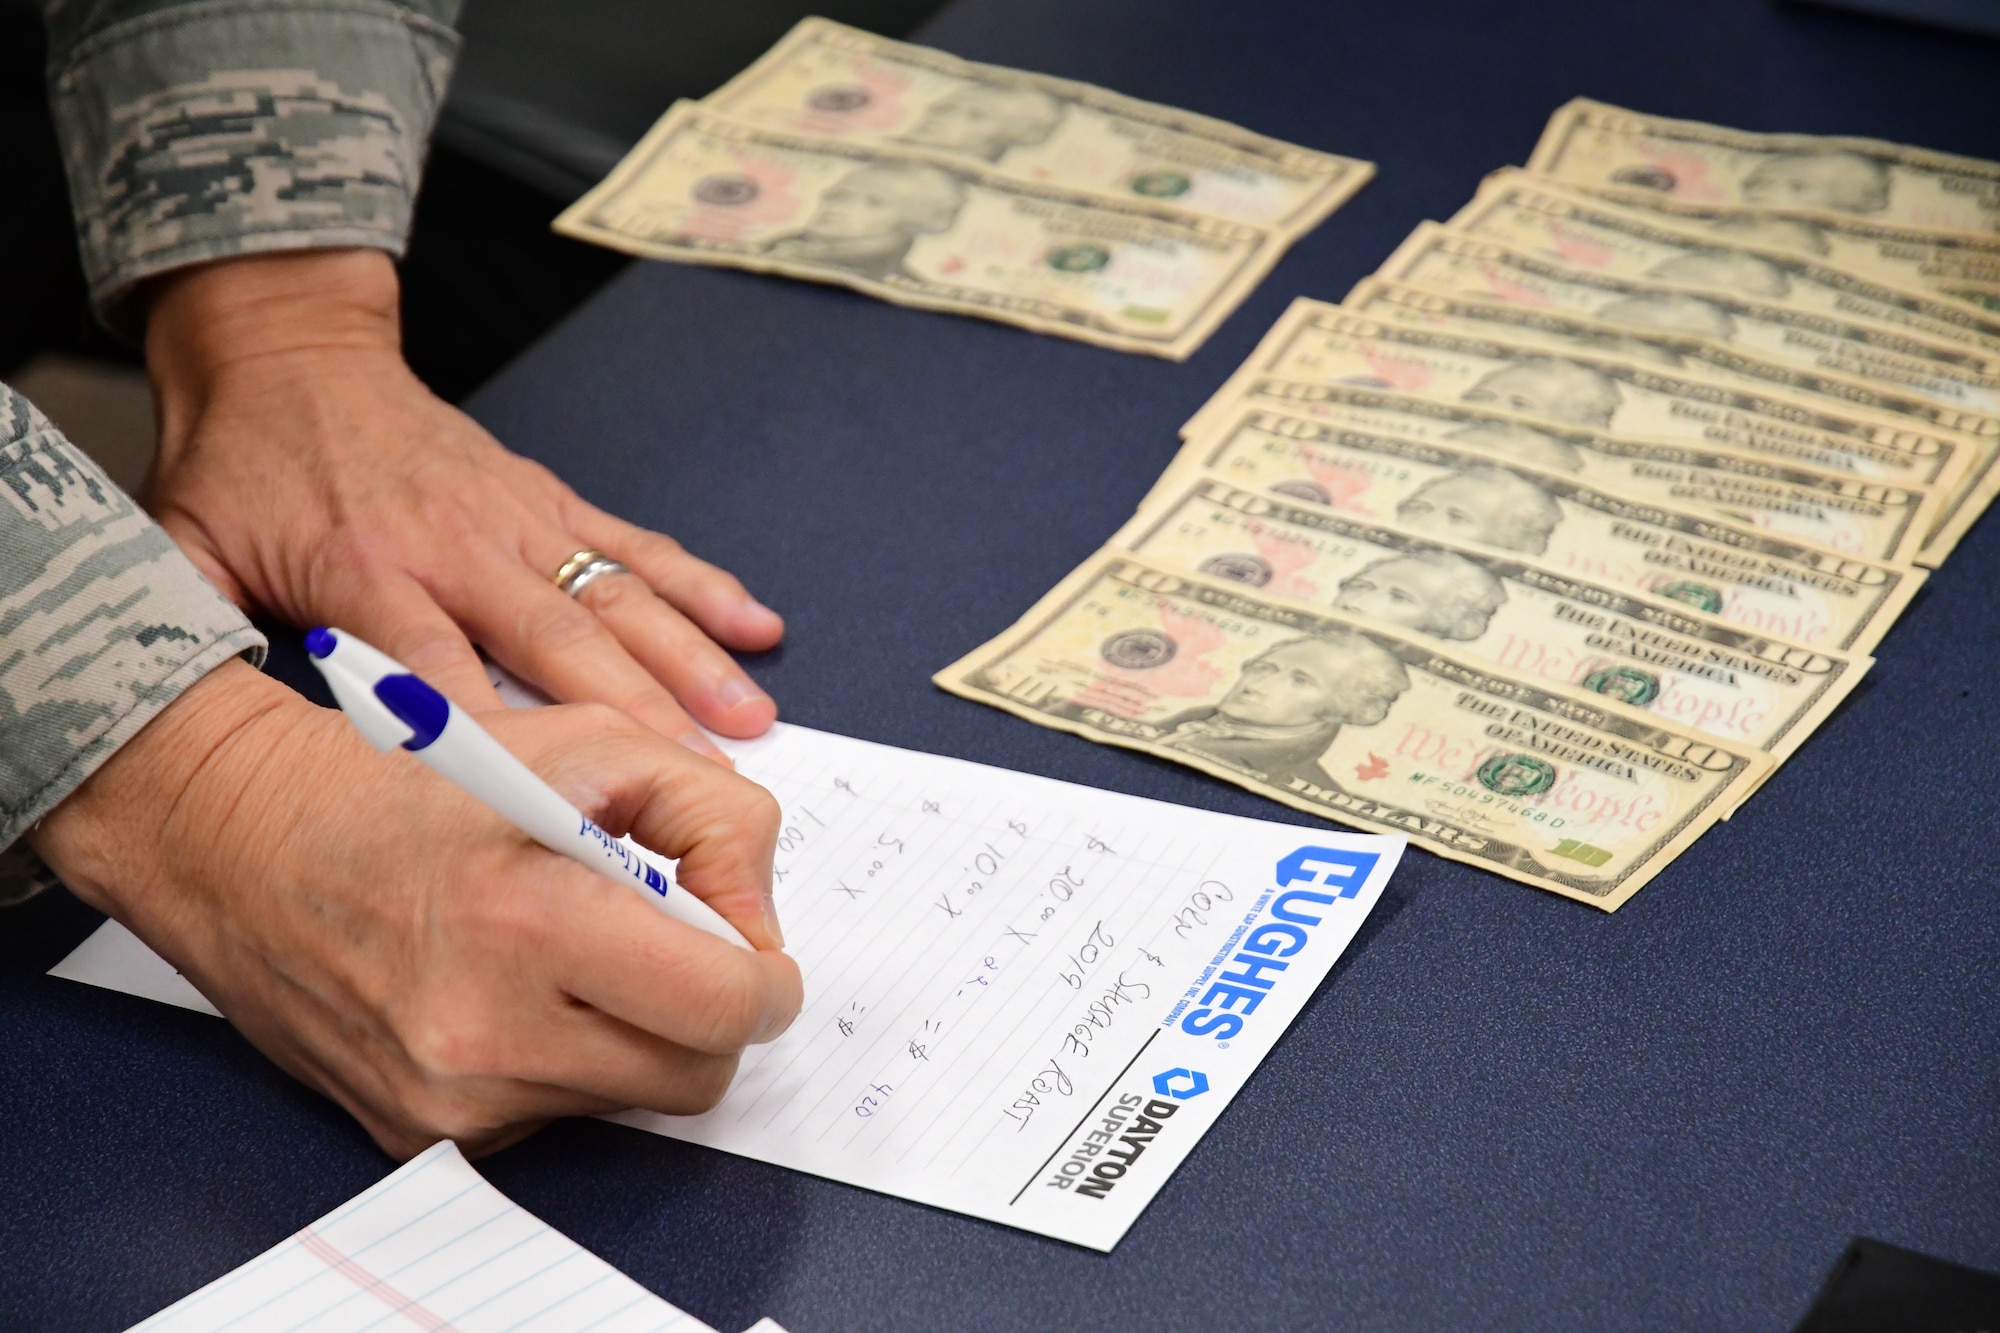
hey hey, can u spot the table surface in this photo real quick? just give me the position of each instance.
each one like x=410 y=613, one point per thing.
x=1504 y=1109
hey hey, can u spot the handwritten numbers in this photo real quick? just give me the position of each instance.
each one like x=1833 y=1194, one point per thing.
x=872 y=1100
x=1086 y=956
x=1064 y=886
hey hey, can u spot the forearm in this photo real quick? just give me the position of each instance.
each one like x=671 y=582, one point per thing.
x=195 y=130
x=103 y=623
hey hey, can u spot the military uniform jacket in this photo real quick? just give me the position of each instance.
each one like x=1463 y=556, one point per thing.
x=191 y=130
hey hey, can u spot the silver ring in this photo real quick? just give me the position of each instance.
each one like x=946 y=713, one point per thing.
x=585 y=568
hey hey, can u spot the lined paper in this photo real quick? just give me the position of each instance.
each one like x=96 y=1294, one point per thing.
x=433 y=1247
x=1019 y=994
x=998 y=966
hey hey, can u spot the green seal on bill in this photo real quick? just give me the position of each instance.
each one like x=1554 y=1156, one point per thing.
x=1082 y=257
x=1697 y=595
x=1517 y=775
x=1138 y=649
x=1161 y=184
x=1625 y=684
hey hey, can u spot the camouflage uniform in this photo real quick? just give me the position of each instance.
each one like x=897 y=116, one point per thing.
x=191 y=130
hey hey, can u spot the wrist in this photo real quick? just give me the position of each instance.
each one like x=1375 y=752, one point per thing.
x=111 y=839
x=210 y=320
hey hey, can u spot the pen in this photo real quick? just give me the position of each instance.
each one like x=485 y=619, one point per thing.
x=390 y=706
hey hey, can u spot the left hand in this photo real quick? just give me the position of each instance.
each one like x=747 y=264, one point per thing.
x=306 y=470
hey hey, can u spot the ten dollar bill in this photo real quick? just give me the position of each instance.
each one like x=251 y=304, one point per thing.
x=1359 y=723
x=1716 y=249
x=1829 y=509
x=829 y=81
x=1590 y=144
x=1756 y=581
x=1518 y=616
x=906 y=229
x=1320 y=343
x=1458 y=264
x=1964 y=444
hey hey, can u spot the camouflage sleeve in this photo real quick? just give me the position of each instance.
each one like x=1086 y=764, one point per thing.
x=102 y=623
x=199 y=129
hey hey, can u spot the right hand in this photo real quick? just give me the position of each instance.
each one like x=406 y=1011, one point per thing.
x=282 y=391
x=399 y=947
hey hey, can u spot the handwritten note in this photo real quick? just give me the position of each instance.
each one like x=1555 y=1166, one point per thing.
x=431 y=1247
x=1025 y=1000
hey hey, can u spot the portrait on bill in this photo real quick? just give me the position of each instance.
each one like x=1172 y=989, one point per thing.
x=986 y=122
x=1547 y=386
x=868 y=220
x=1484 y=504
x=1289 y=703
x=1439 y=593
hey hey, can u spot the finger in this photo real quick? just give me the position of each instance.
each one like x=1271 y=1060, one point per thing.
x=713 y=598
x=566 y=1058
x=544 y=636
x=462 y=1071
x=722 y=828
x=703 y=678
x=622 y=955
x=398 y=615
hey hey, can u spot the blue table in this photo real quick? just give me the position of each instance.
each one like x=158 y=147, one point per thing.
x=1504 y=1110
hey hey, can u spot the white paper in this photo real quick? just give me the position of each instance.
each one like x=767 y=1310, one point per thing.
x=1011 y=1005
x=116 y=959
x=1000 y=966
x=431 y=1247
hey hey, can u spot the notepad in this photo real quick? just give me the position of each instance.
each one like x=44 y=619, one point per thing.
x=432 y=1247
x=1026 y=1000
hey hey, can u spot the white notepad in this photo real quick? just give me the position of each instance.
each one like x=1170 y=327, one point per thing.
x=432 y=1247
x=1025 y=1000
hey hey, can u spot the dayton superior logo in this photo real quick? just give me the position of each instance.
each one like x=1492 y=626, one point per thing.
x=1180 y=1084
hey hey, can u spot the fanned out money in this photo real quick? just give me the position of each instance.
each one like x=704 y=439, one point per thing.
x=938 y=183
x=1557 y=535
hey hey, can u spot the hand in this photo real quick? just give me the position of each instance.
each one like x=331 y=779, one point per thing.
x=307 y=471
x=397 y=946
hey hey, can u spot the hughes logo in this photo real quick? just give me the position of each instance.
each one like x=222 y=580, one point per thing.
x=1260 y=947
x=1103 y=1156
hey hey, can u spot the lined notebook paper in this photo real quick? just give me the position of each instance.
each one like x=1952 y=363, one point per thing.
x=1025 y=1000
x=433 y=1247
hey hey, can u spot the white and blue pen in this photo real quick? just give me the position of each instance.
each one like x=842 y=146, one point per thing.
x=391 y=706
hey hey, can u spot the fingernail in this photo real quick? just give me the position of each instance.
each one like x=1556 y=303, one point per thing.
x=736 y=691
x=757 y=608
x=771 y=920
x=704 y=747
